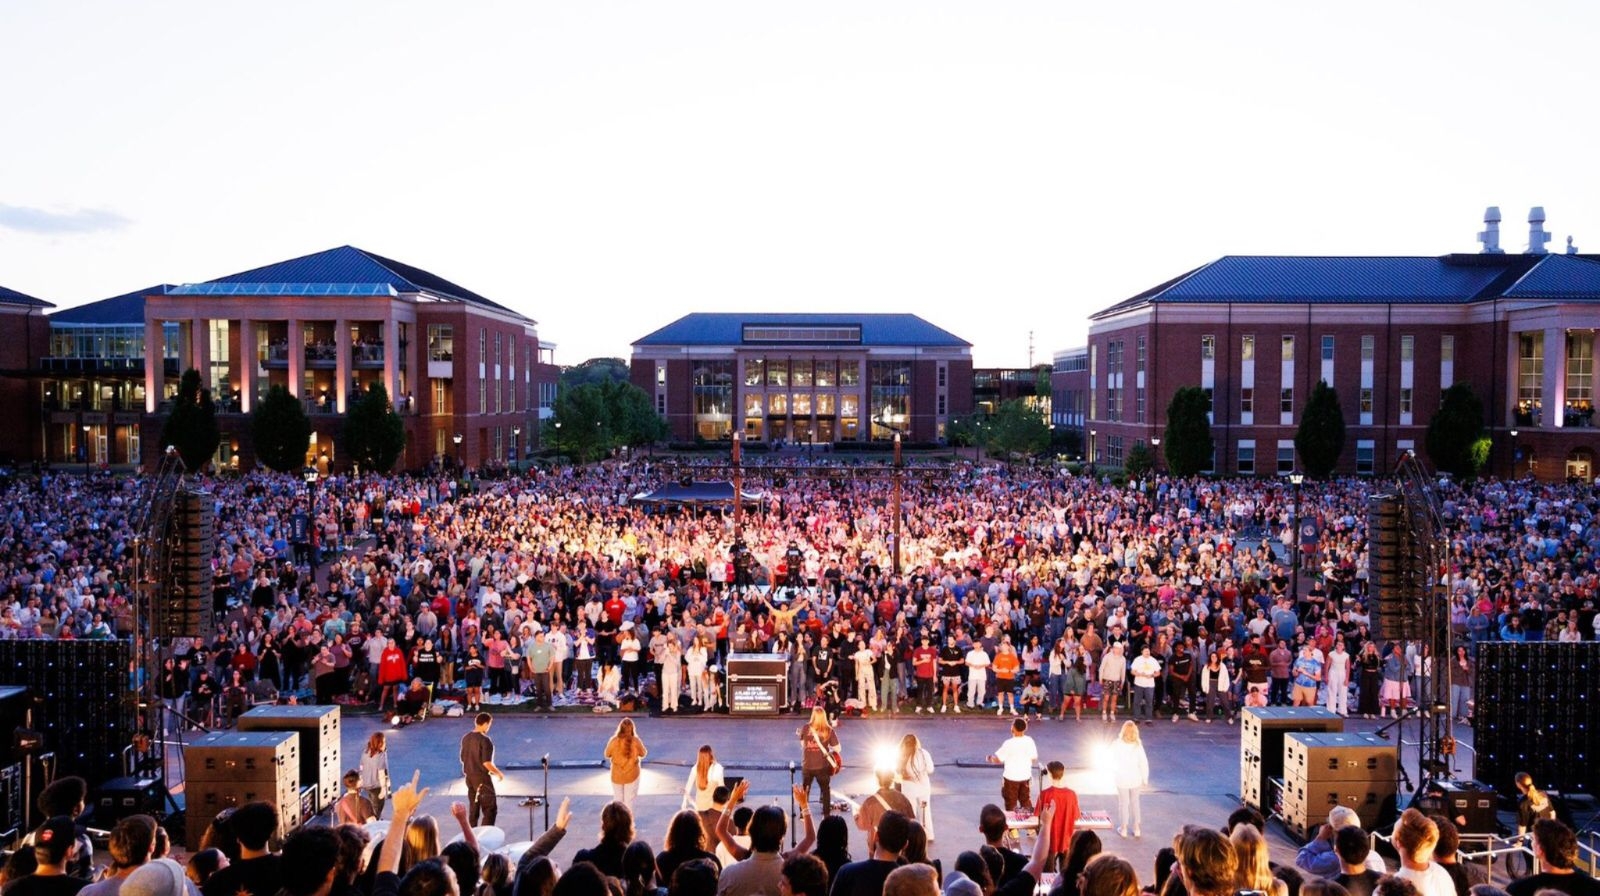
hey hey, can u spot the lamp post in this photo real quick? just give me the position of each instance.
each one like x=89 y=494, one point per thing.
x=310 y=474
x=85 y=446
x=1513 y=454
x=1296 y=478
x=516 y=462
x=1155 y=453
x=1092 y=434
x=899 y=476
x=457 y=439
x=738 y=489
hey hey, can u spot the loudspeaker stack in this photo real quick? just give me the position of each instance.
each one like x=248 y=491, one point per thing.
x=1536 y=712
x=318 y=730
x=186 y=611
x=86 y=714
x=1324 y=770
x=227 y=769
x=1261 y=734
x=1398 y=570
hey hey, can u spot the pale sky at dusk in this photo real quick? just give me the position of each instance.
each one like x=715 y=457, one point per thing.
x=605 y=167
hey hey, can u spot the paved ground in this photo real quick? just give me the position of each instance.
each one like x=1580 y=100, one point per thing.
x=1194 y=769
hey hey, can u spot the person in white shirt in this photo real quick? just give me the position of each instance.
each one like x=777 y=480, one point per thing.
x=977 y=676
x=1017 y=756
x=1337 y=676
x=1130 y=772
x=1113 y=671
x=915 y=774
x=1415 y=836
x=866 y=684
x=1144 y=669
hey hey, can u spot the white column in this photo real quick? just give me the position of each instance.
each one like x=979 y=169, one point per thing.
x=1555 y=377
x=341 y=364
x=296 y=352
x=391 y=359
x=200 y=350
x=246 y=363
x=154 y=363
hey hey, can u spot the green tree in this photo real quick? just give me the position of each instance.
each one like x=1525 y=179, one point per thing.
x=1015 y=429
x=192 y=425
x=1320 y=438
x=280 y=431
x=1455 y=431
x=594 y=371
x=374 y=435
x=962 y=431
x=1186 y=442
x=1138 y=461
x=577 y=424
x=632 y=420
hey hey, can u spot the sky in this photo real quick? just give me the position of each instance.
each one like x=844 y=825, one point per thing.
x=1003 y=169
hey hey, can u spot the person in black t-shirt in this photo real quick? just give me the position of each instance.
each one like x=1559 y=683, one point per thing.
x=257 y=872
x=477 y=765
x=1557 y=849
x=55 y=844
x=1352 y=846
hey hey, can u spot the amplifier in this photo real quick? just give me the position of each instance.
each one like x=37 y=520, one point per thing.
x=119 y=798
x=1470 y=804
x=1319 y=756
x=318 y=728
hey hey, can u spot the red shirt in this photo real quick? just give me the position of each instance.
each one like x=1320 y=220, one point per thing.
x=925 y=661
x=615 y=608
x=1065 y=799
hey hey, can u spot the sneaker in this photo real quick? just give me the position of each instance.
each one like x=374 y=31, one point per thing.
x=942 y=708
x=1174 y=717
x=1195 y=718
x=919 y=710
x=1013 y=713
x=957 y=708
x=1000 y=712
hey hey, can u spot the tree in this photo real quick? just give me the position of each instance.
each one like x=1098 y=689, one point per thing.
x=577 y=424
x=1139 y=461
x=595 y=371
x=1015 y=428
x=1187 y=439
x=280 y=430
x=633 y=421
x=192 y=425
x=1320 y=438
x=374 y=435
x=1455 y=431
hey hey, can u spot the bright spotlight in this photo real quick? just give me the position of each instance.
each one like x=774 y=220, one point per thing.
x=1102 y=758
x=885 y=757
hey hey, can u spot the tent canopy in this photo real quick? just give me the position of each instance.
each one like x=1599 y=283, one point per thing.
x=696 y=492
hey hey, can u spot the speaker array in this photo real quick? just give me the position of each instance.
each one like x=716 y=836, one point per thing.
x=1398 y=570
x=183 y=608
x=1536 y=712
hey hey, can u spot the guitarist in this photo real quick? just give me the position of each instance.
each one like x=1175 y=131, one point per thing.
x=821 y=759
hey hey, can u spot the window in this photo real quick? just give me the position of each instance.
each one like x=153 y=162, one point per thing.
x=827 y=374
x=944 y=374
x=1247 y=458
x=1288 y=348
x=1366 y=400
x=1365 y=452
x=1530 y=377
x=777 y=372
x=661 y=405
x=1208 y=348
x=661 y=374
x=753 y=372
x=1211 y=404
x=1369 y=347
x=1247 y=401
x=849 y=373
x=441 y=342
x=1247 y=348
x=441 y=396
x=1285 y=457
x=483 y=395
x=1140 y=353
x=1327 y=348
x=942 y=411
x=846 y=333
x=1408 y=348
x=1286 y=401
x=483 y=345
x=1405 y=401
x=800 y=373
x=499 y=347
x=1580 y=376
x=1138 y=401
x=1447 y=348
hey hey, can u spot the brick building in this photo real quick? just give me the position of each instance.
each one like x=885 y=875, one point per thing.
x=327 y=327
x=1389 y=333
x=805 y=377
x=26 y=329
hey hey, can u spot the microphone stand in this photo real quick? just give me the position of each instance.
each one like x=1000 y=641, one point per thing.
x=793 y=814
x=1399 y=763
x=545 y=761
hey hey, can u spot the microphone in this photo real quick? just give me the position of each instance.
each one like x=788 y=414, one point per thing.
x=545 y=760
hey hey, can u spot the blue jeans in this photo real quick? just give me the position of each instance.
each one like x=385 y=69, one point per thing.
x=1144 y=702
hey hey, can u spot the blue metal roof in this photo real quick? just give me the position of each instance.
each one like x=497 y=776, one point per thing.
x=229 y=288
x=12 y=297
x=124 y=310
x=712 y=328
x=1567 y=277
x=1339 y=280
x=348 y=265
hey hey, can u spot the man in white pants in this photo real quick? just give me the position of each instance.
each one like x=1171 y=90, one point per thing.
x=866 y=684
x=1337 y=678
x=977 y=676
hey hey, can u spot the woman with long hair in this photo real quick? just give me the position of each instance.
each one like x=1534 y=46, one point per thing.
x=704 y=779
x=495 y=877
x=1461 y=679
x=1109 y=875
x=624 y=751
x=375 y=771
x=819 y=746
x=1369 y=683
x=472 y=670
x=1130 y=772
x=686 y=841
x=1083 y=846
x=639 y=872
x=696 y=658
x=833 y=845
x=914 y=771
x=616 y=832
x=1252 y=869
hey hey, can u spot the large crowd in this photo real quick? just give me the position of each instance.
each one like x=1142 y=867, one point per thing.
x=1022 y=590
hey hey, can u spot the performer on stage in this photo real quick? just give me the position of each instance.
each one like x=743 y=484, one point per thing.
x=820 y=760
x=915 y=772
x=477 y=764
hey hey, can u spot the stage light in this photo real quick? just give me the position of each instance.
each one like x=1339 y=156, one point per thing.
x=1103 y=759
x=885 y=757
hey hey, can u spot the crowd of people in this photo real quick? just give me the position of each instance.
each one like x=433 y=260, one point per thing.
x=1022 y=591
x=735 y=847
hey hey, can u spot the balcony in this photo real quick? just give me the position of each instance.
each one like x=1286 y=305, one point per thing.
x=324 y=357
x=366 y=356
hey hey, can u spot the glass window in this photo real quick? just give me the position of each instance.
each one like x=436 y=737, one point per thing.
x=753 y=371
x=1247 y=458
x=849 y=406
x=826 y=402
x=752 y=405
x=1405 y=401
x=1286 y=458
x=849 y=373
x=1208 y=348
x=777 y=372
x=800 y=373
x=1530 y=377
x=1286 y=401
x=1447 y=348
x=1247 y=348
x=661 y=374
x=800 y=404
x=1139 y=354
x=1369 y=348
x=441 y=342
x=1327 y=348
x=1288 y=348
x=1365 y=451
x=1247 y=401
x=778 y=404
x=827 y=375
x=1580 y=374
x=1366 y=401
x=1408 y=348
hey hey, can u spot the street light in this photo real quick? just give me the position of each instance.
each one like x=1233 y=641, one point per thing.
x=85 y=449
x=310 y=475
x=1296 y=478
x=1155 y=452
x=515 y=460
x=899 y=477
x=457 y=439
x=1513 y=454
x=1092 y=434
